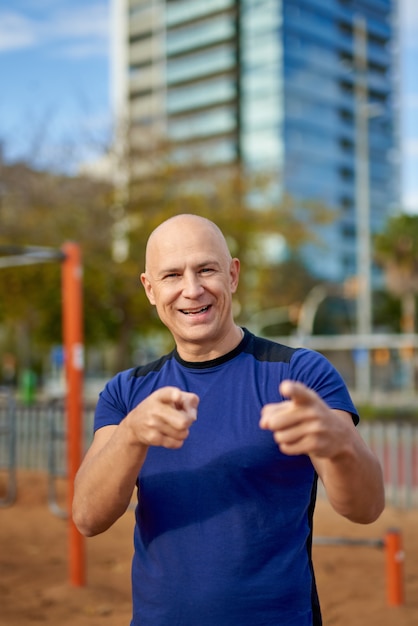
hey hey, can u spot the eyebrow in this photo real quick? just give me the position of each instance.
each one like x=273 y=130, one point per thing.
x=170 y=270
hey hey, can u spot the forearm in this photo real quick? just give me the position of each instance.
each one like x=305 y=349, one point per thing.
x=105 y=481
x=107 y=476
x=353 y=482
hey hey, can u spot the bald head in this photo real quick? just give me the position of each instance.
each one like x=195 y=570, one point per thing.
x=190 y=277
x=185 y=227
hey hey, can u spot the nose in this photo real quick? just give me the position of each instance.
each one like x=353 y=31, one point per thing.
x=192 y=286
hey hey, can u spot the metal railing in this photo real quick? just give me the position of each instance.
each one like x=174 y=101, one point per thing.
x=8 y=428
x=33 y=437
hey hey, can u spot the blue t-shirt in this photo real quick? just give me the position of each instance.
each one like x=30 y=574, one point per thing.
x=223 y=528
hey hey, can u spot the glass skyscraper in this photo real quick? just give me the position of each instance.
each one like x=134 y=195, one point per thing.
x=277 y=84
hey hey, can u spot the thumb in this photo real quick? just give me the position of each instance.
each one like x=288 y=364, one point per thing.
x=298 y=392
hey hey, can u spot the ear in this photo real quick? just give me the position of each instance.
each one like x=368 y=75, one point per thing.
x=148 y=287
x=234 y=274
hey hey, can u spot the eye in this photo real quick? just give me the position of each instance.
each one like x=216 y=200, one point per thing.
x=206 y=270
x=171 y=275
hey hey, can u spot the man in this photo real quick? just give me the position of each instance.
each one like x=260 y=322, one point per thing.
x=225 y=438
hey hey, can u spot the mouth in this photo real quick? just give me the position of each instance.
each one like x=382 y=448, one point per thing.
x=202 y=309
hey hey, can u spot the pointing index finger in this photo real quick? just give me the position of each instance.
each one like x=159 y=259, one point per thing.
x=190 y=404
x=186 y=402
x=298 y=392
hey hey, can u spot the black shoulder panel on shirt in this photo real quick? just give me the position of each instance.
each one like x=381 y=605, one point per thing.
x=266 y=350
x=154 y=366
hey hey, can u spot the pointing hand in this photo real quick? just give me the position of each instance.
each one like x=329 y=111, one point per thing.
x=164 y=417
x=304 y=423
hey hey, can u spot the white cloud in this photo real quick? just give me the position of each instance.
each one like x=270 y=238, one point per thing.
x=410 y=148
x=409 y=21
x=79 y=30
x=410 y=101
x=16 y=31
x=83 y=49
x=86 y=22
x=410 y=201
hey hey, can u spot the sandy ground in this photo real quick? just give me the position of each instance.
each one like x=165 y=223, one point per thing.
x=35 y=582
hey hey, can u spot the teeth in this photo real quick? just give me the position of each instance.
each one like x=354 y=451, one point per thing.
x=205 y=308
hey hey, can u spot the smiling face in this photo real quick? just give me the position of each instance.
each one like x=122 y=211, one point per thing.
x=190 y=278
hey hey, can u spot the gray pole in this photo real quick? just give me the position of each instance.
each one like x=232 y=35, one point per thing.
x=364 y=314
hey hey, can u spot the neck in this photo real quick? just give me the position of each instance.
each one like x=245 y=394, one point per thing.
x=211 y=349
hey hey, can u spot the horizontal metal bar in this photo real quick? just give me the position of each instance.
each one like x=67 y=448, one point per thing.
x=352 y=341
x=14 y=256
x=348 y=541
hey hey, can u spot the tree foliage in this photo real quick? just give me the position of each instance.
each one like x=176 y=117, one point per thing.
x=112 y=224
x=263 y=229
x=41 y=209
x=396 y=251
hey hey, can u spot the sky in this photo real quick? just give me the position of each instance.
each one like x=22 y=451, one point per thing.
x=54 y=77
x=55 y=84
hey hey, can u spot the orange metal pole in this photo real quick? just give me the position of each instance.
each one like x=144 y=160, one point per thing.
x=74 y=367
x=394 y=568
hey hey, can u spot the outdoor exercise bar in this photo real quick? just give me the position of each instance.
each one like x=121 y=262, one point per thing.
x=74 y=368
x=71 y=285
x=394 y=555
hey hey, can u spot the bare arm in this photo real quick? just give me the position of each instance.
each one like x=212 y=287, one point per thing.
x=107 y=476
x=351 y=473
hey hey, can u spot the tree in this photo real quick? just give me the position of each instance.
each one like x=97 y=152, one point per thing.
x=396 y=251
x=112 y=224
x=42 y=209
x=161 y=182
